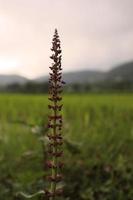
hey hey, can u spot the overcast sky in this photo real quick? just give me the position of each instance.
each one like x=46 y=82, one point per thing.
x=95 y=34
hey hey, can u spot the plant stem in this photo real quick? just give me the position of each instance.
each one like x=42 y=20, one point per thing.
x=54 y=170
x=55 y=120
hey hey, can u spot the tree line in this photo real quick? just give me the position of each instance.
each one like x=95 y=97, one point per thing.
x=38 y=88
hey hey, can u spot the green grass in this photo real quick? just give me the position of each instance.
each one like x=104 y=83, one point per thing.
x=98 y=132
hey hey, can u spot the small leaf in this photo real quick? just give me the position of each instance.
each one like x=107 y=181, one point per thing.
x=73 y=147
x=27 y=196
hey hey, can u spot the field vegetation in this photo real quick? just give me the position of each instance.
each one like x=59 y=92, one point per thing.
x=98 y=146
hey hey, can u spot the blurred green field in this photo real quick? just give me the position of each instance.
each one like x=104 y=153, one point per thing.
x=98 y=147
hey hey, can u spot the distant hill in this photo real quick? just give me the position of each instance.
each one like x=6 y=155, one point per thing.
x=118 y=73
x=123 y=72
x=10 y=79
x=85 y=76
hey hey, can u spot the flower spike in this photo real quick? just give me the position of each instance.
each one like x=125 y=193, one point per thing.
x=55 y=120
